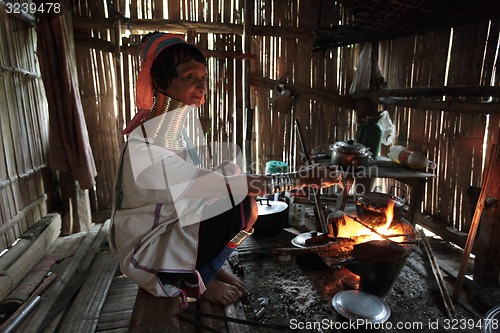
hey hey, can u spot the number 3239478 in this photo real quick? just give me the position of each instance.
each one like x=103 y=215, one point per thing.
x=32 y=8
x=454 y=324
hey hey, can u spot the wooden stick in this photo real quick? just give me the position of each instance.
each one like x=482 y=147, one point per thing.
x=448 y=106
x=475 y=221
x=352 y=216
x=450 y=309
x=22 y=214
x=462 y=91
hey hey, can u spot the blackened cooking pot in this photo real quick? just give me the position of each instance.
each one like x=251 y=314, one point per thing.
x=273 y=216
x=371 y=207
x=349 y=154
x=311 y=261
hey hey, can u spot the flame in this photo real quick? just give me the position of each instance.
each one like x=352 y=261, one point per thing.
x=389 y=214
x=360 y=233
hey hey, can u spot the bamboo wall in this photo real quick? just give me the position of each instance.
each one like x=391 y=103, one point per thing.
x=458 y=142
x=280 y=42
x=289 y=59
x=25 y=182
x=280 y=47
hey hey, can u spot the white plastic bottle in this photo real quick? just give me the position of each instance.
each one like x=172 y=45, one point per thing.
x=413 y=159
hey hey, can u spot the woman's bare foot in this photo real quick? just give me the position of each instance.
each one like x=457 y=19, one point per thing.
x=221 y=293
x=231 y=279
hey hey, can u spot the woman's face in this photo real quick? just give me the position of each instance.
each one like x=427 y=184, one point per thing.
x=190 y=85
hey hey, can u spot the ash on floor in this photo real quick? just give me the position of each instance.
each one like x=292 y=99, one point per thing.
x=281 y=292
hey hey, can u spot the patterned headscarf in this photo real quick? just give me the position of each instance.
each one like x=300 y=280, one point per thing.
x=144 y=84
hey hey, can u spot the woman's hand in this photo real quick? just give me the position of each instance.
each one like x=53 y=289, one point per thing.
x=319 y=175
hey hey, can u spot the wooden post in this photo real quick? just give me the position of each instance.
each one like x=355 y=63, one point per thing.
x=475 y=222
x=487 y=261
x=249 y=114
x=76 y=215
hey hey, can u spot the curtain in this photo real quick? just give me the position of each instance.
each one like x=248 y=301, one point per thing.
x=69 y=146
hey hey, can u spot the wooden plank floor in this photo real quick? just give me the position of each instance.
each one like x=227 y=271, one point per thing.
x=105 y=301
x=117 y=309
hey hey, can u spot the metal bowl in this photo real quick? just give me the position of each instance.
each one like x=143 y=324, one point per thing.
x=358 y=305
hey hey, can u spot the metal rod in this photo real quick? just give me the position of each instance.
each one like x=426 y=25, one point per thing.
x=317 y=193
x=321 y=215
x=305 y=151
x=233 y=320
x=20 y=317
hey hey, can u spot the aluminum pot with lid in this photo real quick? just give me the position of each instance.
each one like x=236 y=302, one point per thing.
x=348 y=153
x=273 y=216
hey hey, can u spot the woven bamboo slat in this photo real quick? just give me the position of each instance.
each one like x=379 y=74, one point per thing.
x=8 y=133
x=239 y=96
x=173 y=10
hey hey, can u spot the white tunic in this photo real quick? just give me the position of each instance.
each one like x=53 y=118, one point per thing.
x=154 y=228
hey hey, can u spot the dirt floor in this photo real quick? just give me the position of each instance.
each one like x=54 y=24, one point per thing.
x=283 y=292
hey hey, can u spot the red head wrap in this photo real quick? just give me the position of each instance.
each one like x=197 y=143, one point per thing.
x=144 y=84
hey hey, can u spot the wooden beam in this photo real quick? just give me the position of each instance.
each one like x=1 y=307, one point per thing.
x=141 y=26
x=26 y=17
x=283 y=32
x=73 y=270
x=23 y=256
x=137 y=26
x=227 y=54
x=22 y=214
x=450 y=106
x=134 y=49
x=440 y=228
x=96 y=43
x=81 y=22
x=459 y=91
x=306 y=92
x=105 y=46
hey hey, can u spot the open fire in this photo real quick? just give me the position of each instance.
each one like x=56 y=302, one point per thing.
x=369 y=253
x=373 y=249
x=361 y=231
x=379 y=251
